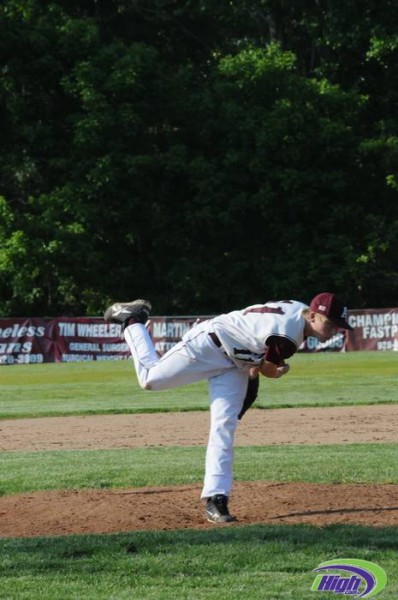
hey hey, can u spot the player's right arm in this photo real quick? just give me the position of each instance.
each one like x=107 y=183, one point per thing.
x=273 y=371
x=278 y=348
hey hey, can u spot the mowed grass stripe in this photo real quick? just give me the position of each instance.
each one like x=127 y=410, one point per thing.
x=324 y=379
x=77 y=469
x=257 y=562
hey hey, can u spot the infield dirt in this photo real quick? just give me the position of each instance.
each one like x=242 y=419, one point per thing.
x=104 y=511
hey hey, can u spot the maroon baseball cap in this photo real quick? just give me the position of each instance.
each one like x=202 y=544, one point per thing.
x=332 y=307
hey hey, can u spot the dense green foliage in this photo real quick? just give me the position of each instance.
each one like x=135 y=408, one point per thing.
x=204 y=154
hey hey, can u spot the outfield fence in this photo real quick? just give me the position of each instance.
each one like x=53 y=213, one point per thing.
x=75 y=339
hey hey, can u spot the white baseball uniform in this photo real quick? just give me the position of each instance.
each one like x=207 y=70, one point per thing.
x=221 y=350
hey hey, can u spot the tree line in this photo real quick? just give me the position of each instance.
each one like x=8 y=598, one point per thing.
x=206 y=155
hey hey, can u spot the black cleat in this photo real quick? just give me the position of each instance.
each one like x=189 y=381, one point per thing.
x=216 y=509
x=122 y=312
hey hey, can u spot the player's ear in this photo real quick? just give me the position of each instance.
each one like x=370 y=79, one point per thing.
x=310 y=317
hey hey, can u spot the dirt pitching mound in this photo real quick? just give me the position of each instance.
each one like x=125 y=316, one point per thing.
x=167 y=508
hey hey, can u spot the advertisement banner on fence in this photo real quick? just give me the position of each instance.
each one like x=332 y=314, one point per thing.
x=87 y=339
x=66 y=339
x=75 y=339
x=374 y=329
x=167 y=331
x=24 y=341
x=336 y=344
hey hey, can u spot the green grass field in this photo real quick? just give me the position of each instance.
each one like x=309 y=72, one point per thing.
x=111 y=387
x=250 y=563
x=77 y=469
x=256 y=562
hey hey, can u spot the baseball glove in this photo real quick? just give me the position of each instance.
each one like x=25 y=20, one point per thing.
x=251 y=394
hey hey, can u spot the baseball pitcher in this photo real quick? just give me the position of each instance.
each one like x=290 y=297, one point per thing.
x=230 y=351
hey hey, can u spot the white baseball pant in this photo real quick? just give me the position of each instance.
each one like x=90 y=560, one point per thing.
x=193 y=359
